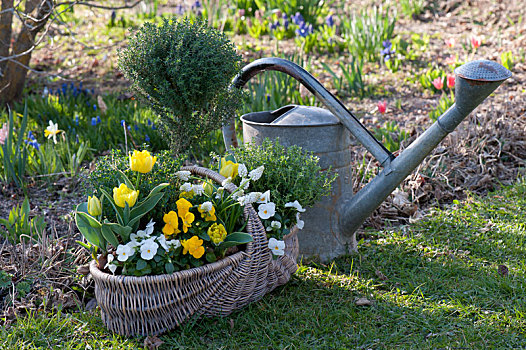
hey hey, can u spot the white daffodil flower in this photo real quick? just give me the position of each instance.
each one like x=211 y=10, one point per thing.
x=299 y=223
x=256 y=173
x=296 y=205
x=265 y=197
x=149 y=249
x=124 y=252
x=276 y=247
x=183 y=175
x=242 y=170
x=52 y=131
x=266 y=210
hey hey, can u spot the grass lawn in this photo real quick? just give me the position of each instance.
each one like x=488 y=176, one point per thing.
x=454 y=280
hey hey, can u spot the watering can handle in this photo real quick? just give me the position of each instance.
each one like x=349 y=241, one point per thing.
x=356 y=128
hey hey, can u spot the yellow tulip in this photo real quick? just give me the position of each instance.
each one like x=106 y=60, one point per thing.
x=123 y=194
x=217 y=233
x=193 y=245
x=94 y=206
x=142 y=161
x=228 y=168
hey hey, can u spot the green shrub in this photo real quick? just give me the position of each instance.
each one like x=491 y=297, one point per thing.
x=105 y=176
x=183 y=69
x=290 y=172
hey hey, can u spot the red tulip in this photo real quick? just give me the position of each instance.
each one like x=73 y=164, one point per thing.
x=382 y=106
x=438 y=83
x=475 y=42
x=451 y=60
x=450 y=81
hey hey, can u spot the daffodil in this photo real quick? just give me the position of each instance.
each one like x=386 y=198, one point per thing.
x=172 y=224
x=142 y=161
x=193 y=245
x=217 y=233
x=123 y=194
x=228 y=168
x=208 y=212
x=52 y=131
x=94 y=206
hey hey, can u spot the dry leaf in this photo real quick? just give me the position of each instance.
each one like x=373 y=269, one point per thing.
x=503 y=270
x=363 y=302
x=380 y=275
x=102 y=106
x=152 y=342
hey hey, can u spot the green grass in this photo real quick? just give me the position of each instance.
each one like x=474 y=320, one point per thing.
x=441 y=290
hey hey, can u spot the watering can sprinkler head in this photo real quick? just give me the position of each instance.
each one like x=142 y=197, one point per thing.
x=475 y=81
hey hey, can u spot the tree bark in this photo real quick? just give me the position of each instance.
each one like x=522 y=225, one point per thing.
x=13 y=80
x=6 y=20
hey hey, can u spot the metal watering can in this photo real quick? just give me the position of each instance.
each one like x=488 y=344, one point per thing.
x=330 y=225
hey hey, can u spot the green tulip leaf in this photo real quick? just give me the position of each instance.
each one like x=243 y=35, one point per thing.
x=118 y=212
x=144 y=207
x=122 y=231
x=93 y=235
x=108 y=234
x=235 y=238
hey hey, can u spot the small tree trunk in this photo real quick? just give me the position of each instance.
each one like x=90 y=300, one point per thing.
x=14 y=75
x=6 y=20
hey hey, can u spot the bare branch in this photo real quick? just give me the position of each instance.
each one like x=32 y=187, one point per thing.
x=91 y=4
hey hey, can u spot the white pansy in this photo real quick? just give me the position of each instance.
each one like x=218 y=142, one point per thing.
x=299 y=223
x=173 y=243
x=226 y=181
x=296 y=205
x=276 y=247
x=265 y=197
x=242 y=170
x=207 y=206
x=144 y=233
x=133 y=244
x=124 y=252
x=183 y=175
x=275 y=224
x=256 y=173
x=186 y=187
x=266 y=210
x=162 y=241
x=198 y=189
x=149 y=249
x=110 y=265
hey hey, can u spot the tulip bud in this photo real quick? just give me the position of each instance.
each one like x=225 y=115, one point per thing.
x=94 y=207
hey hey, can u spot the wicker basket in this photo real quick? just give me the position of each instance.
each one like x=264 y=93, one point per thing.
x=151 y=305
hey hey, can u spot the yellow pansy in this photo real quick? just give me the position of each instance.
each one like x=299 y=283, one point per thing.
x=123 y=194
x=142 y=161
x=94 y=206
x=183 y=208
x=228 y=168
x=217 y=233
x=172 y=224
x=193 y=245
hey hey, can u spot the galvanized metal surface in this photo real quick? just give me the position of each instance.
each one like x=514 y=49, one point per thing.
x=331 y=224
x=314 y=86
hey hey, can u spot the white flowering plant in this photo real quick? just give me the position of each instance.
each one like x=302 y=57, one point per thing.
x=202 y=226
x=292 y=180
x=277 y=220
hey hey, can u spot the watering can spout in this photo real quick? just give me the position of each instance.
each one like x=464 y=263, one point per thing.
x=474 y=82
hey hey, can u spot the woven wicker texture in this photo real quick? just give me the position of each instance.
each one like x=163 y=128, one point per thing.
x=151 y=305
